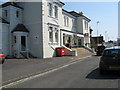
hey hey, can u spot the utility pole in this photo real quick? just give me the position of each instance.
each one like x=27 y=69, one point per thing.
x=97 y=33
x=106 y=36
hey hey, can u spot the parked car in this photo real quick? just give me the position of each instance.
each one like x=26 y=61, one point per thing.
x=110 y=60
x=100 y=50
x=2 y=58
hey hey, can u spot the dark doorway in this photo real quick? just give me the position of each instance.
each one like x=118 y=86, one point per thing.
x=23 y=43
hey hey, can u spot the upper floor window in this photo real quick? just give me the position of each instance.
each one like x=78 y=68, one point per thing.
x=56 y=12
x=66 y=21
x=6 y=13
x=86 y=25
x=56 y=35
x=72 y=22
x=50 y=34
x=17 y=14
x=50 y=9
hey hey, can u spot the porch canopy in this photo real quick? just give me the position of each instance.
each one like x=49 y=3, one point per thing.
x=72 y=33
x=20 y=28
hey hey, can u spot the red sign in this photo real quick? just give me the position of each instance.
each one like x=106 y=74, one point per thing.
x=86 y=34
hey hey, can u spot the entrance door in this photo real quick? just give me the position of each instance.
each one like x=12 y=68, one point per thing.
x=79 y=42
x=23 y=43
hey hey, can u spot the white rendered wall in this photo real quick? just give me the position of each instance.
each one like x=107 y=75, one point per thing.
x=4 y=39
x=49 y=48
x=32 y=19
x=13 y=20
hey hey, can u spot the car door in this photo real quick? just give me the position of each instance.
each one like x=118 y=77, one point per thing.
x=118 y=57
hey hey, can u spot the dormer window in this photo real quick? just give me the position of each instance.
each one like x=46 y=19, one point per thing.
x=17 y=14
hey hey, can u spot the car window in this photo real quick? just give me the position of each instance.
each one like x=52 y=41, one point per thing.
x=111 y=53
x=101 y=47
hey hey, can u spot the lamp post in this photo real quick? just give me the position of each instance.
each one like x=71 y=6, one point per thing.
x=97 y=32
x=106 y=36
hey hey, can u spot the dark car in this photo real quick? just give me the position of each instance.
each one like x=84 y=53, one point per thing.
x=100 y=50
x=110 y=59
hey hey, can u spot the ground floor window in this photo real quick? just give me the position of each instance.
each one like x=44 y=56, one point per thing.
x=53 y=35
x=56 y=35
x=50 y=34
x=63 y=39
x=14 y=39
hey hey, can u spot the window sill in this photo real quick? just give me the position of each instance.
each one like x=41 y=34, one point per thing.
x=53 y=43
x=52 y=17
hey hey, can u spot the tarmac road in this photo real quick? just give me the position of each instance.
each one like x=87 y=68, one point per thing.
x=82 y=74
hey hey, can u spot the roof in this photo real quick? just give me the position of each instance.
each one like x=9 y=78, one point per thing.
x=62 y=3
x=78 y=15
x=115 y=47
x=71 y=31
x=20 y=28
x=10 y=3
x=3 y=20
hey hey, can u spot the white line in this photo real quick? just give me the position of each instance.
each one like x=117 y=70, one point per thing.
x=39 y=75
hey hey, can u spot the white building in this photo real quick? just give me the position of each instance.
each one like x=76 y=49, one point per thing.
x=37 y=28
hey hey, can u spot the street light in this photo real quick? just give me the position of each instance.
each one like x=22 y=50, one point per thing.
x=106 y=36
x=97 y=32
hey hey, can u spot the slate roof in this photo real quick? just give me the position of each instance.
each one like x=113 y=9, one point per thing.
x=20 y=28
x=78 y=15
x=3 y=20
x=10 y=3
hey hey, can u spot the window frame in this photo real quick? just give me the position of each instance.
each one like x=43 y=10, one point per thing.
x=56 y=11
x=50 y=11
x=56 y=38
x=51 y=35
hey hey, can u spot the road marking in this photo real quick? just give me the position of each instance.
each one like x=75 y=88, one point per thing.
x=42 y=74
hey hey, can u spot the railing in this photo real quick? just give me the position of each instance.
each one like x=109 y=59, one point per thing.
x=26 y=53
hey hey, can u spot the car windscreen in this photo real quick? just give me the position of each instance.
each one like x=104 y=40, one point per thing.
x=112 y=53
x=101 y=48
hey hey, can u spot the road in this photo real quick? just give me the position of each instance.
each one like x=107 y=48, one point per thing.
x=82 y=74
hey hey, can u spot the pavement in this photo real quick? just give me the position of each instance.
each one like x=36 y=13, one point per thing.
x=17 y=69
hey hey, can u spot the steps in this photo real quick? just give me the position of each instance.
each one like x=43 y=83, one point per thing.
x=82 y=51
x=27 y=55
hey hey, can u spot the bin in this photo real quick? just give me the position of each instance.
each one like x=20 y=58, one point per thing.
x=60 y=51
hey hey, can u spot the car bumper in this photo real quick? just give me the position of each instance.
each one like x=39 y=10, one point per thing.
x=104 y=66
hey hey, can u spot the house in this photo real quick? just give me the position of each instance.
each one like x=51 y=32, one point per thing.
x=36 y=29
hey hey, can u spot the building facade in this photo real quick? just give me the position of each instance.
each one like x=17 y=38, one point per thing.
x=36 y=29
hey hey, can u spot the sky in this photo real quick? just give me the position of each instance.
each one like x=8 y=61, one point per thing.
x=104 y=12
